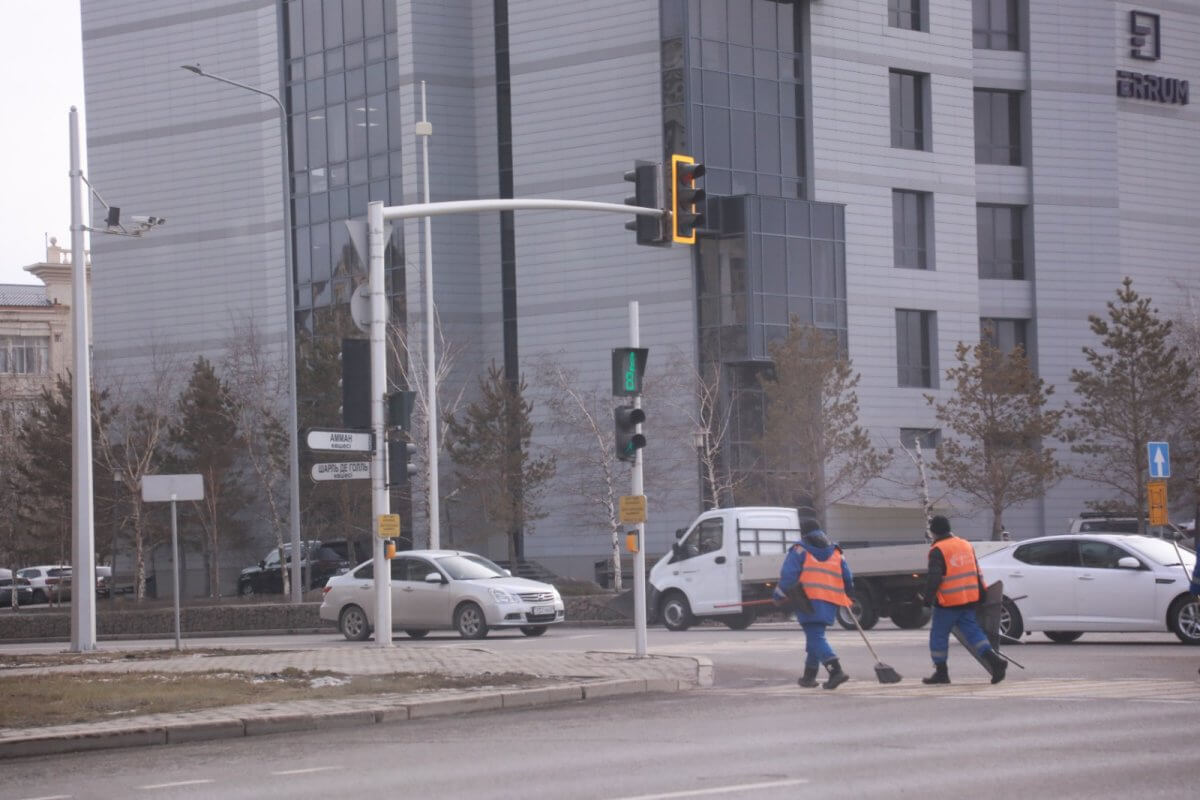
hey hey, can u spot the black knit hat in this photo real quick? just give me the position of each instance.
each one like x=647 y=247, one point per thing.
x=939 y=526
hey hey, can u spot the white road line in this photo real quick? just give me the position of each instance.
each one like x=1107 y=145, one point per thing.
x=176 y=783
x=51 y=797
x=742 y=787
x=302 y=771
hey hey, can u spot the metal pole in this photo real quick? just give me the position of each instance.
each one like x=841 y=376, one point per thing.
x=175 y=568
x=83 y=557
x=379 y=493
x=289 y=282
x=425 y=130
x=636 y=488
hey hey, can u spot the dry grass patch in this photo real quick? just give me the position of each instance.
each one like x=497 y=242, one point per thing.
x=26 y=660
x=31 y=701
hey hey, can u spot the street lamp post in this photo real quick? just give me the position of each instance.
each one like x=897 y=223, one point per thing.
x=293 y=421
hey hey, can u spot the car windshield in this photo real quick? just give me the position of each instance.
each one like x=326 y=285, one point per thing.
x=1164 y=553
x=465 y=568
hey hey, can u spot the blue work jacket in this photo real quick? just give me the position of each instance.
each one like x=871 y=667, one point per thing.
x=823 y=611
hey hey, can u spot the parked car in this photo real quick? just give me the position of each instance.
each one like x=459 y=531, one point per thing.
x=103 y=581
x=1067 y=585
x=24 y=591
x=47 y=582
x=321 y=561
x=442 y=590
x=1101 y=522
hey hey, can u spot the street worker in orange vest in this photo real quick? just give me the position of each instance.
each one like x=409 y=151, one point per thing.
x=954 y=587
x=816 y=567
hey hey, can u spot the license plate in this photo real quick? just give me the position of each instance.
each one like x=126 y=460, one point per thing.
x=542 y=610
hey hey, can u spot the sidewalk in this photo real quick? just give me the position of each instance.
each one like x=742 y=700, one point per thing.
x=570 y=677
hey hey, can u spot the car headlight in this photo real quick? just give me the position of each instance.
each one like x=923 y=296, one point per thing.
x=501 y=596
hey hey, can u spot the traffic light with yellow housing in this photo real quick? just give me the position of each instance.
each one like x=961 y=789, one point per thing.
x=687 y=201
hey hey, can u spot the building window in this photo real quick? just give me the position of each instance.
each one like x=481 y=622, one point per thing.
x=25 y=355
x=1005 y=334
x=1001 y=235
x=910 y=229
x=908 y=93
x=906 y=14
x=997 y=127
x=928 y=438
x=916 y=348
x=994 y=24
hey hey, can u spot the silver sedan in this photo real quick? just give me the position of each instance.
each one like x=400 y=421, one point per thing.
x=442 y=590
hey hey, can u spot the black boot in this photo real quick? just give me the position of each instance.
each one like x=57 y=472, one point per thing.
x=809 y=679
x=940 y=674
x=998 y=665
x=836 y=676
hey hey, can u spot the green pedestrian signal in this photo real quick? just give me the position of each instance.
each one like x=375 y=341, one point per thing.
x=628 y=367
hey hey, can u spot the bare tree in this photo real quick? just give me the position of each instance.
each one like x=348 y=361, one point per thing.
x=998 y=456
x=1185 y=336
x=408 y=356
x=812 y=445
x=258 y=387
x=133 y=445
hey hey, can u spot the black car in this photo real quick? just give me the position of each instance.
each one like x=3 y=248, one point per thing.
x=322 y=560
x=24 y=592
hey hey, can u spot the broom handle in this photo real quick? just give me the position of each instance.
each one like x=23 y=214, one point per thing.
x=863 y=634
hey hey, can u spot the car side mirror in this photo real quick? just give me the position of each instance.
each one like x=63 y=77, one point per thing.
x=1128 y=562
x=508 y=573
x=675 y=548
x=433 y=577
x=679 y=532
x=262 y=564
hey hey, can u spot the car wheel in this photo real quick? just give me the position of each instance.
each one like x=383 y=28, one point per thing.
x=1185 y=619
x=1012 y=627
x=470 y=622
x=353 y=624
x=862 y=607
x=417 y=634
x=246 y=589
x=676 y=612
x=911 y=617
x=739 y=622
x=534 y=630
x=1063 y=637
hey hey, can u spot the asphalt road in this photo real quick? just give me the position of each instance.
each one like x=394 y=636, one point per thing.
x=1108 y=716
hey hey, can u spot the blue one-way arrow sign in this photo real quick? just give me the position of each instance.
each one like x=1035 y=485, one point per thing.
x=1160 y=459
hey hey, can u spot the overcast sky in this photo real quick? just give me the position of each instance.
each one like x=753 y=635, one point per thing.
x=41 y=77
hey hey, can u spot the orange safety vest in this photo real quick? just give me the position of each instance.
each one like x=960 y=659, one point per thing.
x=960 y=585
x=822 y=580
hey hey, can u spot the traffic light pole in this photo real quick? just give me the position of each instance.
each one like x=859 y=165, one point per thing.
x=635 y=489
x=380 y=504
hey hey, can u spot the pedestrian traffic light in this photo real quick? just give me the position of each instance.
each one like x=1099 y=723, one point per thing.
x=400 y=462
x=687 y=202
x=628 y=367
x=647 y=180
x=628 y=440
x=356 y=383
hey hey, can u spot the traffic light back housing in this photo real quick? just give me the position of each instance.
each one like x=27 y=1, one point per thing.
x=356 y=383
x=628 y=441
x=647 y=180
x=687 y=201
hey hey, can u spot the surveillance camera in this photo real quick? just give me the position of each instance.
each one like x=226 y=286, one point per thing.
x=147 y=221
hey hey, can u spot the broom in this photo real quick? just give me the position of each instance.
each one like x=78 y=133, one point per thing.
x=883 y=672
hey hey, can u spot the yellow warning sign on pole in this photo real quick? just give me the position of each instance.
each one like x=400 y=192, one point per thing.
x=388 y=526
x=631 y=508
x=1156 y=494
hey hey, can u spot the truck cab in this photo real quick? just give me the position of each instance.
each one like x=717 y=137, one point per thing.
x=726 y=557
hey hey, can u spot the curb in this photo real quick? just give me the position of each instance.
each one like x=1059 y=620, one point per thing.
x=351 y=713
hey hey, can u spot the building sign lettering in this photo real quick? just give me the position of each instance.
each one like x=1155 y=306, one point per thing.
x=1145 y=40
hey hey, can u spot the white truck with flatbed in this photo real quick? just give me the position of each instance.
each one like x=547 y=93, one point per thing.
x=728 y=558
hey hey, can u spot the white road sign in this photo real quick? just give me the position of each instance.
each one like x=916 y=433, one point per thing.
x=341 y=470
x=340 y=440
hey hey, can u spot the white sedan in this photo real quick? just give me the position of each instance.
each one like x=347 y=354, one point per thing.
x=1067 y=585
x=442 y=590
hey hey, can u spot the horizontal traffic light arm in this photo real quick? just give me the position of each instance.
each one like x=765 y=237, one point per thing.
x=511 y=204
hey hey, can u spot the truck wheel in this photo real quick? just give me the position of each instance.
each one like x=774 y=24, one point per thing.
x=676 y=612
x=911 y=617
x=863 y=608
x=739 y=622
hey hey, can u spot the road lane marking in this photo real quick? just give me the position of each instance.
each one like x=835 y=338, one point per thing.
x=304 y=771
x=51 y=797
x=176 y=783
x=741 y=787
